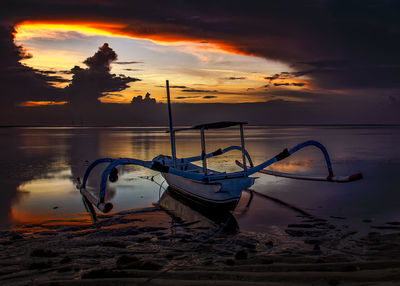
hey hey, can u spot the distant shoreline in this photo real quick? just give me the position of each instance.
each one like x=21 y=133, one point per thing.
x=151 y=126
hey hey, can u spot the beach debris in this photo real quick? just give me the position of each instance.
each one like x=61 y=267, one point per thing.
x=241 y=255
x=269 y=244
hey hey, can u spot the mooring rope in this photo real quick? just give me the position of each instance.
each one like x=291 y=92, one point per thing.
x=276 y=200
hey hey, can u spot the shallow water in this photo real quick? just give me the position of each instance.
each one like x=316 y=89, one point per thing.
x=38 y=167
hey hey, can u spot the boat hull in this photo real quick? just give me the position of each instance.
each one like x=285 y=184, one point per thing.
x=211 y=195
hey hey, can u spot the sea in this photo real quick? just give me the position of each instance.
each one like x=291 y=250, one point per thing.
x=39 y=167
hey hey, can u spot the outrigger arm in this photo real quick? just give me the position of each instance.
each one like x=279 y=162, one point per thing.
x=286 y=153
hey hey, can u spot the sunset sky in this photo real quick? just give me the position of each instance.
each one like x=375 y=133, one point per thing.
x=200 y=68
x=293 y=62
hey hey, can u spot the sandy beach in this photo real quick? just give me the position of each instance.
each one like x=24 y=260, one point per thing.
x=152 y=247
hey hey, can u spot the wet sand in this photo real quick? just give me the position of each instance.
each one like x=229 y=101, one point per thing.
x=151 y=247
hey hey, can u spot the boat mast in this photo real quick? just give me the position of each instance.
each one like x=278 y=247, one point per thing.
x=171 y=130
x=203 y=151
x=243 y=148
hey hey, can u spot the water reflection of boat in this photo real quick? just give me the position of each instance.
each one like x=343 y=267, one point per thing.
x=194 y=214
x=216 y=189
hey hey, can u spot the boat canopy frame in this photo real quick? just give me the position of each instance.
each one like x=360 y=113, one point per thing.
x=207 y=126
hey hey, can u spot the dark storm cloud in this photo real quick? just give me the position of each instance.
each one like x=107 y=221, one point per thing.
x=50 y=77
x=89 y=84
x=20 y=83
x=287 y=75
x=281 y=84
x=209 y=96
x=363 y=32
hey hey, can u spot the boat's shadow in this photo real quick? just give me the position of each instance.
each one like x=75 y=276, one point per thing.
x=196 y=216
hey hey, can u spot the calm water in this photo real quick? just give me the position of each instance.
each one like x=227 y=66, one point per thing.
x=38 y=167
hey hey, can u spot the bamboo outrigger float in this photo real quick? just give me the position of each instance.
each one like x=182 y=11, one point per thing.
x=218 y=190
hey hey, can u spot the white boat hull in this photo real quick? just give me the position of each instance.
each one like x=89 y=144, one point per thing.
x=219 y=193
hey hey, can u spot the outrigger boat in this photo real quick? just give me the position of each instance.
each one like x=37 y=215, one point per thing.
x=217 y=190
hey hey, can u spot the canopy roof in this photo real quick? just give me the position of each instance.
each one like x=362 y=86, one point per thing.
x=214 y=125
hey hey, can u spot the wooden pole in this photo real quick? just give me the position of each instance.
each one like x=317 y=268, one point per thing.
x=243 y=148
x=171 y=130
x=203 y=151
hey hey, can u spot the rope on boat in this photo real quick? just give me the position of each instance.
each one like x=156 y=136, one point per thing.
x=278 y=201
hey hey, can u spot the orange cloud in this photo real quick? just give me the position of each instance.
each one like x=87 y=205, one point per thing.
x=30 y=29
x=49 y=29
x=41 y=103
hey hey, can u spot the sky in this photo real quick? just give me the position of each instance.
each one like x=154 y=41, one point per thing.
x=266 y=62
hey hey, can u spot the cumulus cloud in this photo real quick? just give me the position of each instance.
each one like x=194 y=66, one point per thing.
x=89 y=84
x=146 y=100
